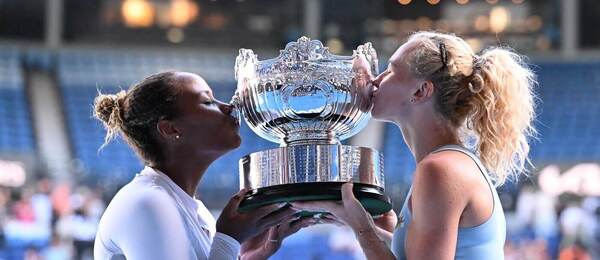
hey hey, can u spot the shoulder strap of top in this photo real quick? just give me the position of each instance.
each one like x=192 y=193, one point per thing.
x=465 y=151
x=407 y=198
x=473 y=157
x=479 y=164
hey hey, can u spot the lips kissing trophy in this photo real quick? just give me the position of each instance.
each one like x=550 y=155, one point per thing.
x=307 y=100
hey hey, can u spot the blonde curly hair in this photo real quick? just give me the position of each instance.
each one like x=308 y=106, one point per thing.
x=489 y=96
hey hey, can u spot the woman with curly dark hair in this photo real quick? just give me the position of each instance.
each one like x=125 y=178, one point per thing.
x=178 y=129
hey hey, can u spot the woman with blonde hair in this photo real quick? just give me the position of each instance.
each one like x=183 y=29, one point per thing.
x=446 y=99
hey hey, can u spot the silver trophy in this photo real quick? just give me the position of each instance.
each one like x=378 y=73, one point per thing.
x=307 y=100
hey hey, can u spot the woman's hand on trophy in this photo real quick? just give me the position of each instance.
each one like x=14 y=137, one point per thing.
x=242 y=226
x=387 y=221
x=265 y=244
x=349 y=211
x=386 y=224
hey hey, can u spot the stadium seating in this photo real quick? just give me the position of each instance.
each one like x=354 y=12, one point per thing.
x=568 y=110
x=16 y=131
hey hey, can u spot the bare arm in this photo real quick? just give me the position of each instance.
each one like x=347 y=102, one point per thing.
x=373 y=245
x=437 y=203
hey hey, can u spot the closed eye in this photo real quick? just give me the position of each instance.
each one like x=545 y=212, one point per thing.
x=389 y=69
x=387 y=72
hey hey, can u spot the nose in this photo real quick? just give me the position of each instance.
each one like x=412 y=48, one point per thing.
x=379 y=78
x=225 y=107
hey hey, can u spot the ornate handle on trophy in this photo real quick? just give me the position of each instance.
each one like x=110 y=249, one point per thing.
x=365 y=68
x=368 y=52
x=244 y=70
x=237 y=112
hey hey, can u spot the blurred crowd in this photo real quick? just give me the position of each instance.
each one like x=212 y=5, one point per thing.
x=49 y=220
x=53 y=220
x=545 y=226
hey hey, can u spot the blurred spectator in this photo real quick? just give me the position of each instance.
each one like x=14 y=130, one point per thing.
x=591 y=232
x=41 y=203
x=32 y=254
x=574 y=252
x=22 y=210
x=526 y=250
x=596 y=235
x=572 y=222
x=81 y=225
x=47 y=221
x=60 y=197
x=4 y=199
x=58 y=250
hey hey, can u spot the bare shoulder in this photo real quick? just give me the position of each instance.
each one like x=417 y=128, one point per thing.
x=436 y=169
x=447 y=167
x=444 y=176
x=438 y=196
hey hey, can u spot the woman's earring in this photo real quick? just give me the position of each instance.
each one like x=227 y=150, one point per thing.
x=412 y=100
x=177 y=137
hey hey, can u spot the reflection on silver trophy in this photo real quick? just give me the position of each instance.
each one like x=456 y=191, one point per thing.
x=307 y=100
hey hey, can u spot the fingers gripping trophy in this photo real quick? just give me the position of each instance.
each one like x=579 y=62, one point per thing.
x=308 y=100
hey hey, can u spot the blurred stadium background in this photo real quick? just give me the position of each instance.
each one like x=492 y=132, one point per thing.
x=55 y=55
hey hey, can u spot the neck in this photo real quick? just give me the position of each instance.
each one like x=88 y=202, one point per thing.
x=185 y=173
x=425 y=136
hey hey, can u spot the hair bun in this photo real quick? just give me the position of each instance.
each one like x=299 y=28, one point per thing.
x=108 y=107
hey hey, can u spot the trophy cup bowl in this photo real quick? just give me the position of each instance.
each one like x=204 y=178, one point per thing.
x=307 y=100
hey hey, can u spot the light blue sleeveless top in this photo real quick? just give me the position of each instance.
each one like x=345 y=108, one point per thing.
x=485 y=241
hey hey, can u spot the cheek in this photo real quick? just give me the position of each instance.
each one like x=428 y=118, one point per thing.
x=380 y=106
x=219 y=136
x=227 y=134
x=398 y=94
x=388 y=100
x=205 y=127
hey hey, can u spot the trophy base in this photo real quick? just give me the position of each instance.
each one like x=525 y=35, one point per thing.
x=370 y=196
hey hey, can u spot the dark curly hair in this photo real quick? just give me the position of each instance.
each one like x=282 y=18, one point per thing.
x=134 y=113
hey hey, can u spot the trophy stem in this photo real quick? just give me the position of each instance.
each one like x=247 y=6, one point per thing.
x=306 y=137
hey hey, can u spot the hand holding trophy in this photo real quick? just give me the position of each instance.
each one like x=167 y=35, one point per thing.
x=307 y=100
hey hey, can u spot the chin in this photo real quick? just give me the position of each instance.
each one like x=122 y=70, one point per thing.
x=238 y=141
